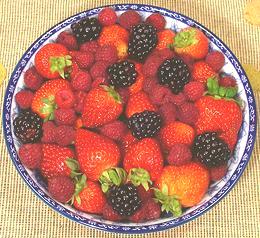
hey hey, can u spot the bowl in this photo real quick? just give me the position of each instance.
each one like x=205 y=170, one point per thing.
x=216 y=191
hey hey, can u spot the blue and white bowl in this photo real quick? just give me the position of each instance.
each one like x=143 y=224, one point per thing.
x=216 y=191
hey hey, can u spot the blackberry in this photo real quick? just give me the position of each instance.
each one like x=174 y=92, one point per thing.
x=144 y=124
x=143 y=39
x=124 y=199
x=28 y=127
x=174 y=73
x=122 y=74
x=87 y=29
x=210 y=150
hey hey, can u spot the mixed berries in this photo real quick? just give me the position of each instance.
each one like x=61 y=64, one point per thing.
x=126 y=118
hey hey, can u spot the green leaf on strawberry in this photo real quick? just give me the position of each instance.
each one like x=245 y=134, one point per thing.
x=74 y=167
x=139 y=176
x=58 y=64
x=79 y=185
x=48 y=108
x=184 y=39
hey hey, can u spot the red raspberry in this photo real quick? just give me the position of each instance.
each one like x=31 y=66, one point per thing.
x=227 y=81
x=81 y=81
x=65 y=135
x=31 y=155
x=83 y=59
x=61 y=188
x=153 y=210
x=157 y=20
x=124 y=93
x=168 y=113
x=107 y=16
x=68 y=40
x=151 y=66
x=106 y=53
x=217 y=173
x=114 y=130
x=99 y=81
x=194 y=90
x=64 y=98
x=143 y=194
x=215 y=60
x=49 y=132
x=180 y=154
x=188 y=113
x=24 y=99
x=73 y=70
x=159 y=95
x=129 y=18
x=90 y=46
x=64 y=116
x=187 y=60
x=99 y=69
x=32 y=79
x=79 y=101
x=178 y=99
x=139 y=215
x=165 y=54
x=110 y=214
x=149 y=84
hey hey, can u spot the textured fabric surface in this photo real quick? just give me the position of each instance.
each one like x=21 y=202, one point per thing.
x=22 y=214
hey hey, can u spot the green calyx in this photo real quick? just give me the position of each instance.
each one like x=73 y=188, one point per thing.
x=73 y=165
x=112 y=92
x=59 y=63
x=184 y=39
x=139 y=177
x=48 y=107
x=169 y=203
x=80 y=183
x=113 y=176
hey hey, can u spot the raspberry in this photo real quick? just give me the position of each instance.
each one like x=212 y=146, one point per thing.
x=188 y=113
x=149 y=84
x=89 y=46
x=31 y=155
x=187 y=60
x=227 y=81
x=194 y=90
x=215 y=60
x=65 y=135
x=32 y=79
x=99 y=81
x=129 y=19
x=49 y=132
x=83 y=59
x=178 y=99
x=114 y=130
x=157 y=20
x=81 y=81
x=24 y=99
x=124 y=93
x=179 y=154
x=110 y=214
x=68 y=40
x=153 y=210
x=217 y=173
x=151 y=66
x=107 y=16
x=64 y=98
x=143 y=194
x=106 y=53
x=159 y=95
x=168 y=112
x=73 y=70
x=61 y=188
x=139 y=215
x=165 y=54
x=79 y=101
x=64 y=116
x=99 y=69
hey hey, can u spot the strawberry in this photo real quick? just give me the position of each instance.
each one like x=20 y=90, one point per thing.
x=95 y=153
x=102 y=105
x=54 y=160
x=51 y=60
x=202 y=71
x=165 y=38
x=176 y=132
x=122 y=49
x=188 y=183
x=145 y=154
x=138 y=102
x=191 y=41
x=44 y=98
x=127 y=140
x=138 y=85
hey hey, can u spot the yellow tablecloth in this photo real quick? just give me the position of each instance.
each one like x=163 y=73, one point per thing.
x=22 y=214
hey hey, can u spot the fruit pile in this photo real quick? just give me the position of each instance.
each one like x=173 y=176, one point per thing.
x=128 y=119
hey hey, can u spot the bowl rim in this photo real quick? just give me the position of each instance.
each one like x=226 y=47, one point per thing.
x=138 y=229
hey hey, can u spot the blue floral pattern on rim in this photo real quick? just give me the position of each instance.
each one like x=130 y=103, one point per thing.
x=124 y=228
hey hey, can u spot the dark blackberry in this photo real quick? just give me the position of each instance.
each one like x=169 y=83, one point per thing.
x=143 y=39
x=28 y=127
x=174 y=73
x=124 y=199
x=87 y=29
x=210 y=150
x=144 y=124
x=122 y=74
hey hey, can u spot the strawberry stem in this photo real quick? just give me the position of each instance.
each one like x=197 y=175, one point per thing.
x=184 y=39
x=48 y=108
x=112 y=92
x=140 y=176
x=59 y=63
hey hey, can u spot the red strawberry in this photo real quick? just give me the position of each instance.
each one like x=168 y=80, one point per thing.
x=51 y=60
x=138 y=85
x=95 y=153
x=165 y=38
x=102 y=105
x=54 y=160
x=107 y=16
x=44 y=98
x=138 y=102
x=202 y=71
x=191 y=41
x=127 y=141
x=145 y=154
